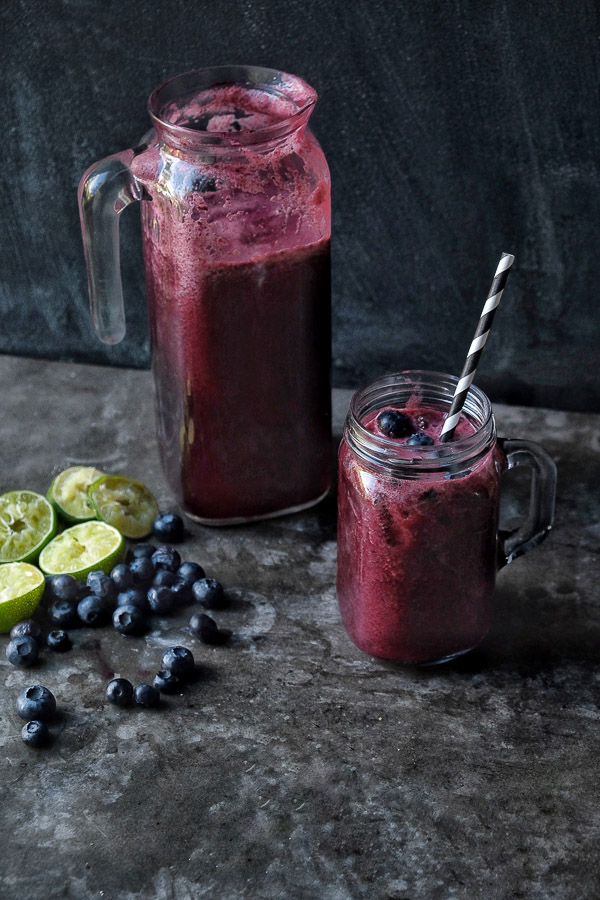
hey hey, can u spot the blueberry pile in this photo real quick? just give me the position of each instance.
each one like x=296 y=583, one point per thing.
x=394 y=424
x=153 y=580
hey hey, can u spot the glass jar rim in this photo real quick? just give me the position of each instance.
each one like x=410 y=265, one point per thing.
x=290 y=87
x=410 y=461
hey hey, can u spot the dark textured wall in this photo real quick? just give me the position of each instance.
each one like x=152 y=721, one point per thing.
x=454 y=131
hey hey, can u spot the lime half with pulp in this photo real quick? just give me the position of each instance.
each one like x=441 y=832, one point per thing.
x=21 y=589
x=83 y=548
x=27 y=523
x=124 y=503
x=68 y=493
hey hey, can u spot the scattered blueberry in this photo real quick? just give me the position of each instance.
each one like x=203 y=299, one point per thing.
x=35 y=734
x=141 y=551
x=101 y=584
x=58 y=640
x=169 y=527
x=122 y=577
x=208 y=631
x=36 y=702
x=22 y=651
x=182 y=593
x=146 y=695
x=420 y=440
x=28 y=628
x=161 y=599
x=142 y=570
x=209 y=592
x=179 y=661
x=189 y=572
x=166 y=682
x=64 y=613
x=166 y=558
x=128 y=620
x=394 y=424
x=135 y=596
x=119 y=691
x=92 y=611
x=65 y=587
x=164 y=578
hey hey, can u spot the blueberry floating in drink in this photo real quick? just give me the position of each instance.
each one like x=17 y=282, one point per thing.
x=420 y=440
x=393 y=423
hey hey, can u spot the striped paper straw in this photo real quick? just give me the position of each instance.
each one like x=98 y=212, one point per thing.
x=477 y=344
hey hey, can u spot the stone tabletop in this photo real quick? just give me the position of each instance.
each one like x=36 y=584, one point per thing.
x=295 y=766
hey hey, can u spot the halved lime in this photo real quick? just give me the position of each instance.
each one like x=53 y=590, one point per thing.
x=27 y=523
x=21 y=589
x=68 y=493
x=82 y=548
x=124 y=503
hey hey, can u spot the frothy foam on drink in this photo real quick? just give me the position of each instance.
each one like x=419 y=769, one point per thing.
x=232 y=201
x=425 y=420
x=230 y=108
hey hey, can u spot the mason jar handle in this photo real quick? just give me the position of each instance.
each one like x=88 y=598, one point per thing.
x=104 y=191
x=541 y=499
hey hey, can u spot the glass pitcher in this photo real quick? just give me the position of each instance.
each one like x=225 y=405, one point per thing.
x=235 y=202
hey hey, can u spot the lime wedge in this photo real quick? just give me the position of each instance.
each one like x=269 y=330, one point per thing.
x=124 y=503
x=27 y=523
x=82 y=548
x=21 y=589
x=68 y=493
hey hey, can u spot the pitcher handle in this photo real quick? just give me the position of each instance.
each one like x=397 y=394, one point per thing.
x=541 y=499
x=105 y=190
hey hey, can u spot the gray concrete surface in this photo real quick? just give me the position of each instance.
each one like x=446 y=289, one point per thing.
x=295 y=766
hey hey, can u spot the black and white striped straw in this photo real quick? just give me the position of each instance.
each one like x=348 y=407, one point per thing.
x=477 y=344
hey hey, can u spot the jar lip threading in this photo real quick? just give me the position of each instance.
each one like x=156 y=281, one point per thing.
x=433 y=388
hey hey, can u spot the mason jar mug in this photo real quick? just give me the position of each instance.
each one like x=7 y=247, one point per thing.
x=418 y=520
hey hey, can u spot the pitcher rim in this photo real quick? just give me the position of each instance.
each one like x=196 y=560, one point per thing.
x=212 y=76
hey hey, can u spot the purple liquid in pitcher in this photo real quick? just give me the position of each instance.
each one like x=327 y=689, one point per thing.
x=417 y=558
x=237 y=274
